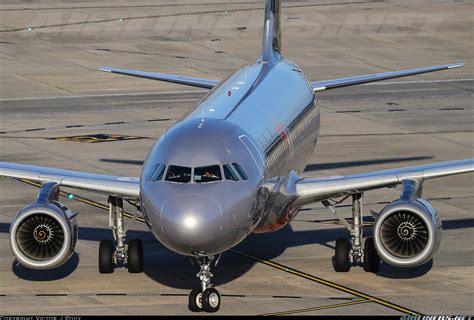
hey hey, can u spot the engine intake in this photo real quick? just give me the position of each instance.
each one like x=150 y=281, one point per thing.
x=407 y=232
x=404 y=234
x=40 y=237
x=43 y=235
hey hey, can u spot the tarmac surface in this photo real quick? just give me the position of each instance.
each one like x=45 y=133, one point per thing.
x=57 y=110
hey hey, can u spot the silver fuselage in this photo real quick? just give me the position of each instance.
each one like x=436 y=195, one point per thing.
x=263 y=117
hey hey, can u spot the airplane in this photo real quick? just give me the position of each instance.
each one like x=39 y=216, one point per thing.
x=229 y=168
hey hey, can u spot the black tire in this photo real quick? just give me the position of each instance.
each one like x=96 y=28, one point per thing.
x=135 y=256
x=106 y=254
x=211 y=300
x=371 y=257
x=195 y=300
x=342 y=262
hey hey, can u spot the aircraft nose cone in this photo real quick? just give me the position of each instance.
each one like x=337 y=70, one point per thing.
x=191 y=223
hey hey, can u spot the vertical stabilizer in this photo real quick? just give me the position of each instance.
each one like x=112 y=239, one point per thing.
x=271 y=49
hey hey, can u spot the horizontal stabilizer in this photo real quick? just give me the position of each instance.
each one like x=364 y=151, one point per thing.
x=351 y=81
x=194 y=82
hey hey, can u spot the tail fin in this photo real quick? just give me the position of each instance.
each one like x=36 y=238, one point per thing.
x=271 y=49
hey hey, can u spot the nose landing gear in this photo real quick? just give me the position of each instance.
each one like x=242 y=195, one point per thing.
x=206 y=298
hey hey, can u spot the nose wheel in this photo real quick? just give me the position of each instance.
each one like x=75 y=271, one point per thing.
x=195 y=300
x=211 y=300
x=205 y=298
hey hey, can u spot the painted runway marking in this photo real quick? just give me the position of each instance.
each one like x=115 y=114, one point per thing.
x=85 y=125
x=97 y=138
x=417 y=81
x=331 y=306
x=394 y=133
x=107 y=95
x=409 y=90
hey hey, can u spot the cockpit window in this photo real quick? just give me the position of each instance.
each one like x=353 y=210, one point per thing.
x=207 y=174
x=178 y=174
x=240 y=171
x=156 y=173
x=230 y=174
x=213 y=173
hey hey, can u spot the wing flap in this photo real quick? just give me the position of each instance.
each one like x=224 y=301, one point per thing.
x=318 y=189
x=351 y=81
x=190 y=81
x=110 y=185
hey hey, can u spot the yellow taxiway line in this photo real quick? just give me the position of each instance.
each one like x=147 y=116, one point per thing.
x=328 y=283
x=331 y=306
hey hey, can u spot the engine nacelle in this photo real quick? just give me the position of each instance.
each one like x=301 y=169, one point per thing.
x=43 y=235
x=407 y=232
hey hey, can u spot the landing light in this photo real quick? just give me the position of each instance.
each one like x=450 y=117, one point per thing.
x=190 y=222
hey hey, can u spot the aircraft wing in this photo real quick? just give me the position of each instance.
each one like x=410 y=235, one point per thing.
x=125 y=187
x=319 y=189
x=194 y=82
x=351 y=81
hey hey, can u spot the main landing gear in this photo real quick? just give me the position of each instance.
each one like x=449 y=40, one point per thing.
x=131 y=255
x=350 y=252
x=205 y=298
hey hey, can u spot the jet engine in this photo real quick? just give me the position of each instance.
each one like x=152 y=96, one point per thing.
x=43 y=235
x=407 y=232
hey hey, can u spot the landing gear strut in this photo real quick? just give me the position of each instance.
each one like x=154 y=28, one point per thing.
x=206 y=298
x=131 y=255
x=350 y=252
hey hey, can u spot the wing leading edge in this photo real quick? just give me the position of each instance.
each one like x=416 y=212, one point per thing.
x=190 y=81
x=318 y=189
x=351 y=81
x=110 y=185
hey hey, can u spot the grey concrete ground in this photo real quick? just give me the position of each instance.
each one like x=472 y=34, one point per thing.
x=49 y=88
